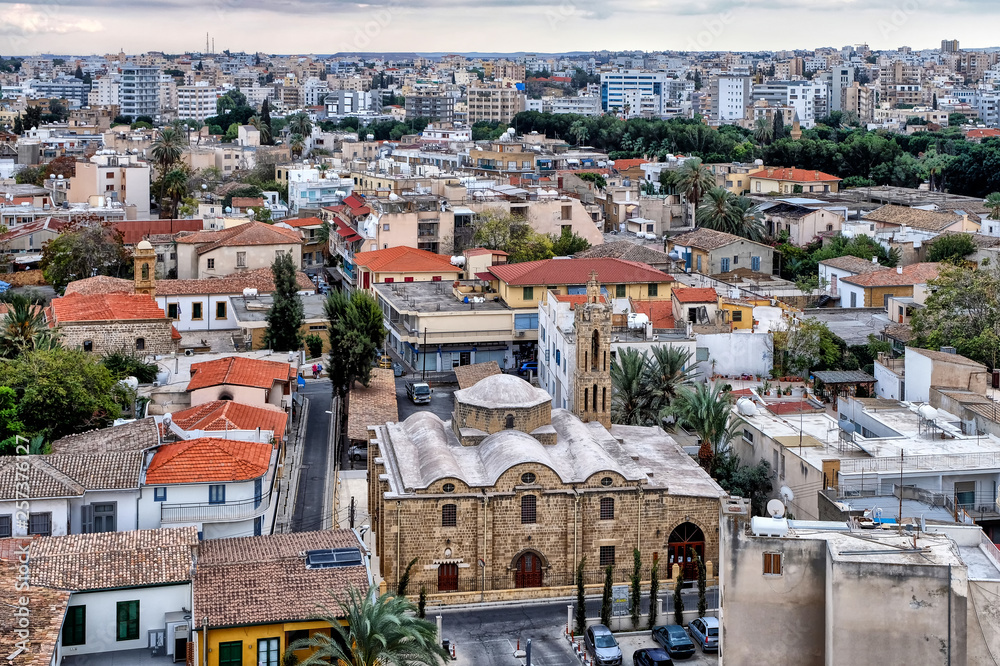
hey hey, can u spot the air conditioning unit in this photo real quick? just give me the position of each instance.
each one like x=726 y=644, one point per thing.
x=518 y=334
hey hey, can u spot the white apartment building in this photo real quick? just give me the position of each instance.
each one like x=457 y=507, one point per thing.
x=103 y=91
x=140 y=91
x=621 y=87
x=730 y=99
x=196 y=101
x=314 y=92
x=801 y=95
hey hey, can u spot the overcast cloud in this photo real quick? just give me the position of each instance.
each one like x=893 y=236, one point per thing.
x=328 y=26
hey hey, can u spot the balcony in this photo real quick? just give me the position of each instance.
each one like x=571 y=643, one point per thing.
x=204 y=512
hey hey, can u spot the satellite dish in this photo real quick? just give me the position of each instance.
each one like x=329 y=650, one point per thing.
x=786 y=494
x=776 y=508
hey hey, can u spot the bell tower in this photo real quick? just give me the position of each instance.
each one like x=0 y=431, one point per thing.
x=145 y=268
x=592 y=383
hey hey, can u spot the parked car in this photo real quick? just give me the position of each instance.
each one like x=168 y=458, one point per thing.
x=385 y=361
x=358 y=452
x=674 y=640
x=602 y=646
x=530 y=366
x=398 y=370
x=418 y=392
x=651 y=657
x=705 y=632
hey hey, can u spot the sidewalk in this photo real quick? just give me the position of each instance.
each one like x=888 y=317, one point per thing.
x=287 y=485
x=354 y=483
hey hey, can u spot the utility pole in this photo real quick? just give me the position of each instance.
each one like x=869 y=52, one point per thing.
x=353 y=504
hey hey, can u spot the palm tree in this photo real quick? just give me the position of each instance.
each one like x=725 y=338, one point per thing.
x=748 y=220
x=707 y=410
x=693 y=180
x=297 y=144
x=667 y=372
x=265 y=130
x=629 y=399
x=380 y=631
x=579 y=131
x=716 y=210
x=993 y=203
x=300 y=123
x=165 y=150
x=763 y=131
x=176 y=185
x=23 y=328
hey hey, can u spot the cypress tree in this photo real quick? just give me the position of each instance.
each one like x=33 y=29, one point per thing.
x=779 y=125
x=284 y=319
x=678 y=600
x=606 y=597
x=581 y=600
x=636 y=587
x=265 y=119
x=654 y=591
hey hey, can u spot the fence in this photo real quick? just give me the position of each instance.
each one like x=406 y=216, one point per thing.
x=931 y=462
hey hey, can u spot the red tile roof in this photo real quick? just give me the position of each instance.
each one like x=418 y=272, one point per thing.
x=208 y=459
x=696 y=295
x=891 y=277
x=404 y=259
x=229 y=415
x=133 y=231
x=624 y=165
x=105 y=307
x=239 y=371
x=577 y=271
x=982 y=133
x=660 y=313
x=793 y=175
x=792 y=407
x=48 y=224
x=251 y=233
x=303 y=222
x=247 y=202
x=477 y=251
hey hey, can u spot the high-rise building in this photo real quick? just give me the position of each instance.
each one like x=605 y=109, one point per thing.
x=140 y=91
x=730 y=98
x=626 y=86
x=500 y=104
x=196 y=101
x=949 y=45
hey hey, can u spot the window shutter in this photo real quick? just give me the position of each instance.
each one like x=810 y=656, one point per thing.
x=87 y=518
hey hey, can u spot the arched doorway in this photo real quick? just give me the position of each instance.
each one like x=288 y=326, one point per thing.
x=528 y=571
x=447 y=577
x=685 y=538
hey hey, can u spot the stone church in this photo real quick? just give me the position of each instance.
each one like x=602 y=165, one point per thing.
x=511 y=493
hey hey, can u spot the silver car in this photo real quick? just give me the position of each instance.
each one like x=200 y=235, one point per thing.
x=602 y=646
x=705 y=632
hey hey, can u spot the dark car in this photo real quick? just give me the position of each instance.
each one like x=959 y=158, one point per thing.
x=530 y=366
x=674 y=640
x=602 y=646
x=705 y=632
x=651 y=657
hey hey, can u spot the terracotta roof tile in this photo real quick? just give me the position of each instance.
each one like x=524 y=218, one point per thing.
x=891 y=277
x=660 y=313
x=247 y=202
x=105 y=307
x=303 y=222
x=264 y=580
x=69 y=475
x=133 y=231
x=794 y=175
x=469 y=375
x=577 y=271
x=696 y=295
x=136 y=436
x=851 y=264
x=575 y=299
x=374 y=405
x=707 y=239
x=249 y=234
x=403 y=259
x=208 y=459
x=478 y=251
x=109 y=560
x=229 y=415
x=238 y=371
x=625 y=250
x=913 y=217
x=625 y=165
x=46 y=608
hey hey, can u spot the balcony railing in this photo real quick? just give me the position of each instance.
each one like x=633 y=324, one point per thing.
x=942 y=462
x=199 y=512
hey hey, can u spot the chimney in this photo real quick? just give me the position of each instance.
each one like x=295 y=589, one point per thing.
x=899 y=270
x=874 y=260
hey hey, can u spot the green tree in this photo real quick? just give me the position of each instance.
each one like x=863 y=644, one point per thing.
x=636 y=588
x=580 y=616
x=165 y=151
x=950 y=247
x=60 y=392
x=314 y=344
x=18 y=125
x=678 y=599
x=803 y=346
x=380 y=631
x=654 y=592
x=10 y=425
x=706 y=409
x=300 y=123
x=668 y=369
x=568 y=243
x=404 y=580
x=422 y=602
x=578 y=130
x=84 y=252
x=262 y=126
x=23 y=328
x=265 y=121
x=285 y=318
x=126 y=362
x=296 y=143
x=702 y=574
x=175 y=186
x=599 y=181
x=992 y=201
x=629 y=396
x=356 y=333
x=779 y=126
x=763 y=131
x=750 y=481
x=606 y=602
x=693 y=180
x=496 y=229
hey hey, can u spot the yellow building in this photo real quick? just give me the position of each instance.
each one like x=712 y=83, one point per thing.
x=255 y=596
x=739 y=314
x=777 y=180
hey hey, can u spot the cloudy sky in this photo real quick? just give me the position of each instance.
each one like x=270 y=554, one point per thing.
x=329 y=26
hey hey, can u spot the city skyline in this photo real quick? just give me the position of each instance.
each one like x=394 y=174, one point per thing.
x=550 y=26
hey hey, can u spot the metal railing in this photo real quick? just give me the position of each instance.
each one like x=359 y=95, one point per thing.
x=936 y=462
x=991 y=549
x=197 y=512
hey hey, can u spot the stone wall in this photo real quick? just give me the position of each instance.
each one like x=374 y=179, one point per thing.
x=567 y=528
x=112 y=336
x=494 y=420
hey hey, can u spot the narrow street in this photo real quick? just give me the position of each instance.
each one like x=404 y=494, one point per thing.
x=313 y=505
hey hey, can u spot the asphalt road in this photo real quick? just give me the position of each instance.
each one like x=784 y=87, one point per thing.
x=442 y=400
x=488 y=635
x=311 y=503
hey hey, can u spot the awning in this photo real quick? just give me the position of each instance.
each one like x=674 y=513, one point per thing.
x=463 y=211
x=347 y=231
x=487 y=276
x=355 y=237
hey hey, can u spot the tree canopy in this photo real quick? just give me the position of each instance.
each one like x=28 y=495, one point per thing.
x=84 y=252
x=497 y=229
x=285 y=318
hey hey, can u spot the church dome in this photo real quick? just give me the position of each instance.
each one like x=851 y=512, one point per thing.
x=144 y=245
x=502 y=392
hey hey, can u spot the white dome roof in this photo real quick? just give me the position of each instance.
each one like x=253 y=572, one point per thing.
x=144 y=245
x=502 y=392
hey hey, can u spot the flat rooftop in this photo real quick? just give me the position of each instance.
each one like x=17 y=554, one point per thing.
x=255 y=308
x=427 y=297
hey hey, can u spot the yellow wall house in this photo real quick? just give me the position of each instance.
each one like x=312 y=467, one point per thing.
x=254 y=596
x=404 y=264
x=770 y=180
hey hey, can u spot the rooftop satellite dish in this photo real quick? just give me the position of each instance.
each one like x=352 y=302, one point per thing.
x=776 y=508
x=786 y=494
